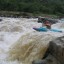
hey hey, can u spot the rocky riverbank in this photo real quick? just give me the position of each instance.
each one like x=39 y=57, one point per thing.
x=16 y=14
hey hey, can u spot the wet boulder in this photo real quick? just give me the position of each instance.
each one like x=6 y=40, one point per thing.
x=57 y=49
x=39 y=62
x=48 y=60
x=54 y=54
x=0 y=20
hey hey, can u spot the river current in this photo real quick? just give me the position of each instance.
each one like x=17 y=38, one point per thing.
x=20 y=43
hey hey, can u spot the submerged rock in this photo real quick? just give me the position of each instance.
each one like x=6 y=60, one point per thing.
x=29 y=47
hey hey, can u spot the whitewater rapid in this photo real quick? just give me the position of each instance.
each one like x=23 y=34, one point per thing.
x=19 y=43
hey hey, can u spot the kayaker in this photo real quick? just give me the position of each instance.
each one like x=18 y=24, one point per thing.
x=47 y=24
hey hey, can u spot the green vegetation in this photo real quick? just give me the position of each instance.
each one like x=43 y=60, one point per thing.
x=33 y=6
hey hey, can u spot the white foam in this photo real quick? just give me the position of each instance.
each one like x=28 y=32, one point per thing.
x=8 y=37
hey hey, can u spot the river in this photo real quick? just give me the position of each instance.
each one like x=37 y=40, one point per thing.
x=20 y=43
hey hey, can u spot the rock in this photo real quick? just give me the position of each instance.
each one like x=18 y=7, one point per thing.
x=0 y=20
x=54 y=54
x=39 y=62
x=48 y=60
x=57 y=49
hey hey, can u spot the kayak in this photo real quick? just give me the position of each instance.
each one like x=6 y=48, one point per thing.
x=55 y=30
x=44 y=29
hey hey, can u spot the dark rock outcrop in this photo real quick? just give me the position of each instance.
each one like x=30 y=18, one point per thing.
x=48 y=60
x=54 y=54
x=57 y=49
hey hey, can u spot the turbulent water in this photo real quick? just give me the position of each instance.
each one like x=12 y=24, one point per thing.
x=20 y=44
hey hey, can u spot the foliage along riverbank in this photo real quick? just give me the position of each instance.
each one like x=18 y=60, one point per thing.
x=34 y=6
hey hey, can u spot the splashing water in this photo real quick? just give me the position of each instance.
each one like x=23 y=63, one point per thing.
x=30 y=47
x=20 y=44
